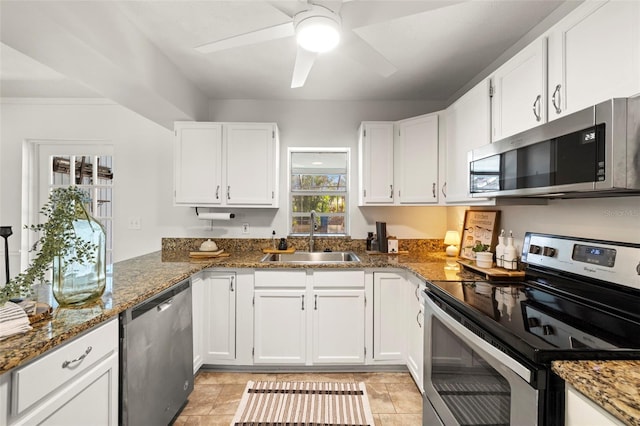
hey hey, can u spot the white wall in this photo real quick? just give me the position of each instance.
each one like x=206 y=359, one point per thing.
x=614 y=219
x=143 y=166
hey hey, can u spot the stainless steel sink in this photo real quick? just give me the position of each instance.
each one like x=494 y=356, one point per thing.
x=312 y=257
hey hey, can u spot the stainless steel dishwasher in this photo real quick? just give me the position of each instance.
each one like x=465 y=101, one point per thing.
x=156 y=358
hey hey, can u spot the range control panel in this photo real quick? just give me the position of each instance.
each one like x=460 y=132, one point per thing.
x=614 y=262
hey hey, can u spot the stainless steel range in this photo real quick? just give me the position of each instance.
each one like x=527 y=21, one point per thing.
x=489 y=345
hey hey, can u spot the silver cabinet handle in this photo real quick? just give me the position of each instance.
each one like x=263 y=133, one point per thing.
x=416 y=293
x=80 y=358
x=433 y=189
x=218 y=192
x=444 y=190
x=232 y=283
x=390 y=191
x=556 y=105
x=418 y=318
x=228 y=192
x=303 y=302
x=315 y=302
x=536 y=108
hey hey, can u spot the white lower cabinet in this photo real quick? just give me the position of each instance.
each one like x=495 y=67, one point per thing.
x=219 y=295
x=580 y=410
x=309 y=317
x=280 y=326
x=415 y=328
x=197 y=306
x=76 y=384
x=389 y=307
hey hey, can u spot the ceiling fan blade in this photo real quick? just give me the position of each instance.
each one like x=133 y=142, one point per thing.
x=253 y=37
x=290 y=8
x=356 y=14
x=360 y=51
x=304 y=62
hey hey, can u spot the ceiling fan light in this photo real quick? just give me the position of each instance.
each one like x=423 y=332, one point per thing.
x=318 y=34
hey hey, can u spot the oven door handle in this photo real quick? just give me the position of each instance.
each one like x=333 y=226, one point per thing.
x=465 y=334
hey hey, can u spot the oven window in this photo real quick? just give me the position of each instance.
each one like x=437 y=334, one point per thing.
x=474 y=392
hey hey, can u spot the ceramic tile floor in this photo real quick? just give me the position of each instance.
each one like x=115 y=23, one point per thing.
x=394 y=398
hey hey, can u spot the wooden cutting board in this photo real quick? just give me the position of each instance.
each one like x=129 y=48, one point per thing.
x=491 y=273
x=289 y=250
x=208 y=254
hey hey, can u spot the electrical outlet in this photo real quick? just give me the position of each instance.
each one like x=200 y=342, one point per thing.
x=245 y=228
x=134 y=222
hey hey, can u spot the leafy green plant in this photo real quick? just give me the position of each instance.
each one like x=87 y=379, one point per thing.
x=57 y=238
x=479 y=247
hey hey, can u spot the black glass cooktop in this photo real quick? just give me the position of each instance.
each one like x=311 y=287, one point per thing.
x=543 y=323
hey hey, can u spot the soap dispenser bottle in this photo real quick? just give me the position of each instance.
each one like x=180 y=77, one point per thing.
x=510 y=254
x=500 y=250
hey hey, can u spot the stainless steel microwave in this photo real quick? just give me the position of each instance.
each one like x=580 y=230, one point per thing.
x=590 y=153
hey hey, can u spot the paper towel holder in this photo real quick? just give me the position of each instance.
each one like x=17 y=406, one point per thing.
x=226 y=215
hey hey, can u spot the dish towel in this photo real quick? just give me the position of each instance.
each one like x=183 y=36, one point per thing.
x=13 y=320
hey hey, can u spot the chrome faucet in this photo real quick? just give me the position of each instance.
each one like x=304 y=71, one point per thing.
x=311 y=229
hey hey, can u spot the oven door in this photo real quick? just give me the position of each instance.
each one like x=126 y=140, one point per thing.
x=467 y=381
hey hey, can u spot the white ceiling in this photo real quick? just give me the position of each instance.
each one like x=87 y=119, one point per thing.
x=437 y=50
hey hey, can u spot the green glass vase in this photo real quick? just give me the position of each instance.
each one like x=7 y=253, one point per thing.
x=76 y=283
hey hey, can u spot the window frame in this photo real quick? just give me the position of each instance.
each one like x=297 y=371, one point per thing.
x=291 y=194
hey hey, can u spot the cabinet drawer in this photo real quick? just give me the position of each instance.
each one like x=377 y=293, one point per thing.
x=342 y=279
x=288 y=278
x=38 y=379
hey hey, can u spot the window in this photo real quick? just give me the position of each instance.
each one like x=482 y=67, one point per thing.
x=319 y=181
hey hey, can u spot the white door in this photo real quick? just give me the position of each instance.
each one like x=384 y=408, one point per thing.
x=219 y=317
x=338 y=326
x=250 y=166
x=54 y=164
x=198 y=164
x=468 y=127
x=376 y=163
x=416 y=160
x=520 y=86
x=389 y=314
x=594 y=55
x=280 y=327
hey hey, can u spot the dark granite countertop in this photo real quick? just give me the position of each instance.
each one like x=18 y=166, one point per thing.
x=140 y=278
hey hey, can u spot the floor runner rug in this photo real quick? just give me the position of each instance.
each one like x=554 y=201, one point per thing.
x=303 y=403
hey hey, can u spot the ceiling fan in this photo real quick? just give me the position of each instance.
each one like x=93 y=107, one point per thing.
x=320 y=26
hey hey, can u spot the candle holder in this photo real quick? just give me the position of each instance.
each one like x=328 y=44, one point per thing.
x=6 y=232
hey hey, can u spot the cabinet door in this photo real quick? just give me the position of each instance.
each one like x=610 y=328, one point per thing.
x=415 y=322
x=220 y=317
x=197 y=307
x=388 y=317
x=520 y=86
x=280 y=327
x=198 y=164
x=338 y=326
x=580 y=410
x=251 y=153
x=468 y=127
x=416 y=160
x=376 y=163
x=594 y=55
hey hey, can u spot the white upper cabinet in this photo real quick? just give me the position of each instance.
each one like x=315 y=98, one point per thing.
x=416 y=160
x=212 y=161
x=519 y=92
x=594 y=55
x=198 y=164
x=375 y=163
x=398 y=162
x=467 y=122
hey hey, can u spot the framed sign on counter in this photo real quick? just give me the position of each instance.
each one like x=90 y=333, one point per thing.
x=480 y=226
